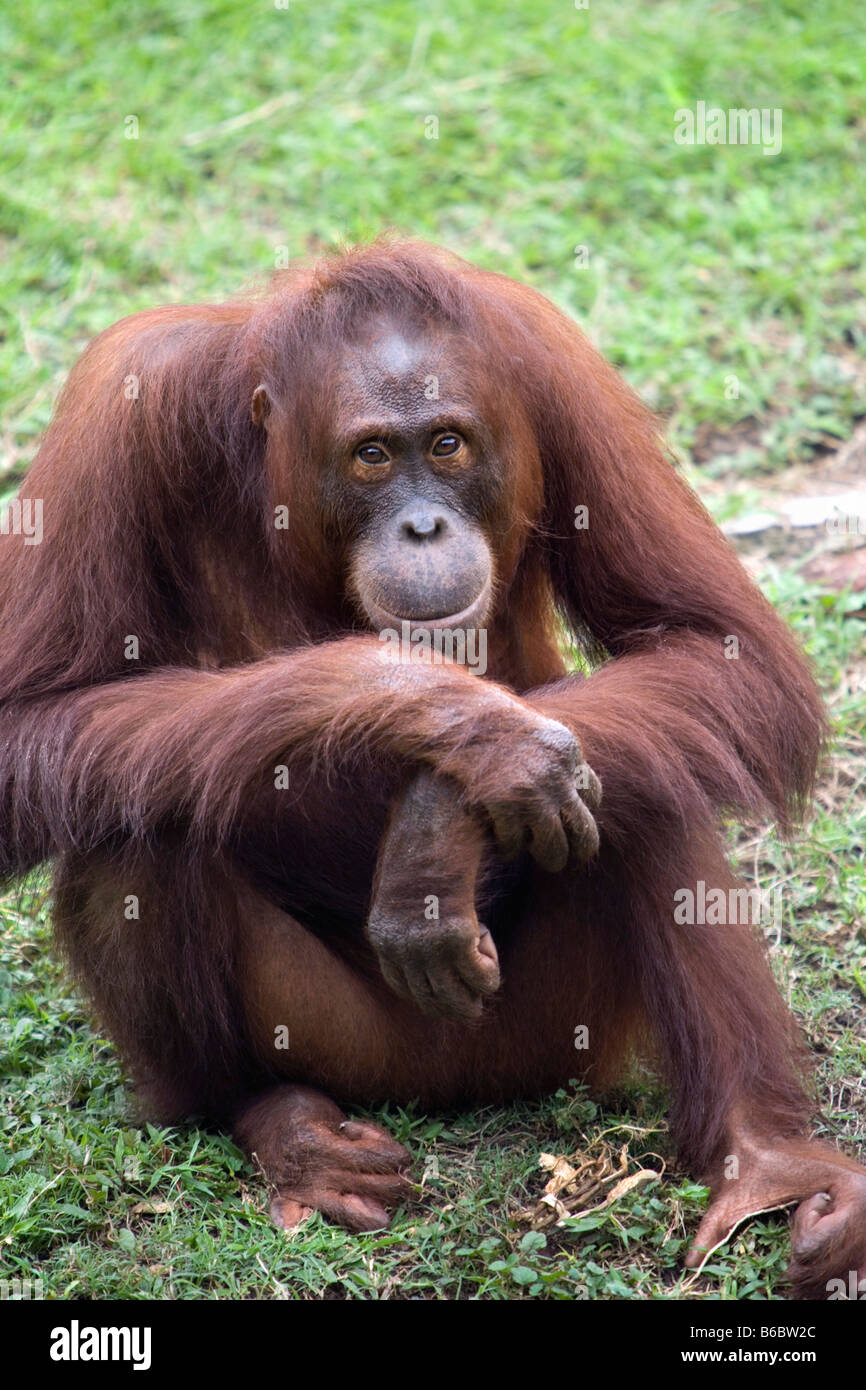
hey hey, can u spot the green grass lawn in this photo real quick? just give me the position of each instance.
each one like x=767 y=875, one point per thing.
x=264 y=132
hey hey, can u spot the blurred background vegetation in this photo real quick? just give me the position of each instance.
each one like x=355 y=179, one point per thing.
x=535 y=138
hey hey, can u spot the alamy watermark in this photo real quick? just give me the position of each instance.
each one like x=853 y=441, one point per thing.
x=437 y=645
x=711 y=125
x=718 y=907
x=20 y=1290
x=77 y=1343
x=23 y=517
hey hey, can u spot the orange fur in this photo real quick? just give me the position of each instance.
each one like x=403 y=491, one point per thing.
x=155 y=777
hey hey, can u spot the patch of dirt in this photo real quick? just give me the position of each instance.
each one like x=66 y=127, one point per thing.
x=811 y=516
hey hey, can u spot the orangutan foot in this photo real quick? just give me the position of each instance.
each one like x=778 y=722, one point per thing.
x=315 y=1159
x=828 y=1243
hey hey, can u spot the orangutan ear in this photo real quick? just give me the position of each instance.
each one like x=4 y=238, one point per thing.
x=261 y=405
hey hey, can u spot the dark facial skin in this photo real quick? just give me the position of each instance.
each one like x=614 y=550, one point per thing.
x=416 y=475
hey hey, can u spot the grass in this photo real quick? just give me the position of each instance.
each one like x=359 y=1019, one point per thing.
x=262 y=131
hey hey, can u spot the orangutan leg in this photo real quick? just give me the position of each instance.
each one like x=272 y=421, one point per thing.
x=324 y=1020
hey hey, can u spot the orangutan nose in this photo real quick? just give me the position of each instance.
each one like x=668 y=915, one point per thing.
x=422 y=524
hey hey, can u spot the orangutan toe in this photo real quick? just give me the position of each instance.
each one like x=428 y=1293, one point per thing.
x=828 y=1241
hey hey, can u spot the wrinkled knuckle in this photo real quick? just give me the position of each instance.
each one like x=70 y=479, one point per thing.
x=382 y=934
x=556 y=792
x=560 y=741
x=454 y=934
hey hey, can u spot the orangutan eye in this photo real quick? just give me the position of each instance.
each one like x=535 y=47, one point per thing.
x=371 y=454
x=446 y=444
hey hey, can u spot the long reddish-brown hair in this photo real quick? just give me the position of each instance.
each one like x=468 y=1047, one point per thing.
x=158 y=493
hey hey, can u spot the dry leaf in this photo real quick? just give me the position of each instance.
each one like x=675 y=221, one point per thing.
x=581 y=1184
